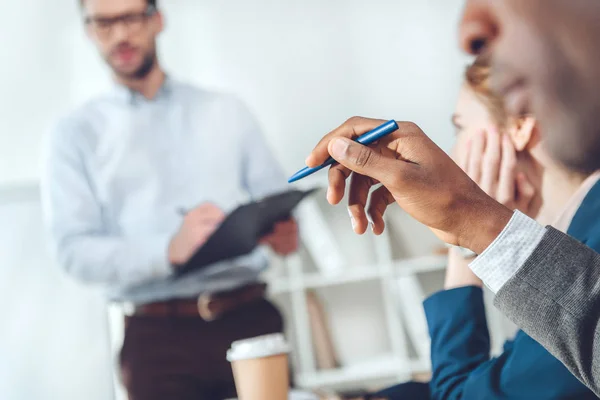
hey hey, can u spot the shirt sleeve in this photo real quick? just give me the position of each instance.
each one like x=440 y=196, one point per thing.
x=511 y=249
x=460 y=340
x=73 y=217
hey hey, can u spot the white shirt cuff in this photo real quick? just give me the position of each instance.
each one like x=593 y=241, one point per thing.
x=158 y=253
x=508 y=253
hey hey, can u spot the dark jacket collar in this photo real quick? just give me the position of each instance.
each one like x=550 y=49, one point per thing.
x=585 y=225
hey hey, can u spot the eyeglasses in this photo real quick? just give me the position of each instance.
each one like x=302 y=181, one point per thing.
x=103 y=26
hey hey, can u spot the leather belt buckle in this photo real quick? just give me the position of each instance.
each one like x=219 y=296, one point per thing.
x=206 y=307
x=212 y=306
x=128 y=309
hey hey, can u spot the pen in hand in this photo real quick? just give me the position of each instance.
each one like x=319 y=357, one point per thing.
x=366 y=139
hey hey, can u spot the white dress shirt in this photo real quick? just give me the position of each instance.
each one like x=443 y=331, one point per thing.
x=117 y=170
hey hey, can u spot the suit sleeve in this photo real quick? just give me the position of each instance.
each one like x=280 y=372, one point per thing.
x=460 y=340
x=463 y=369
x=555 y=298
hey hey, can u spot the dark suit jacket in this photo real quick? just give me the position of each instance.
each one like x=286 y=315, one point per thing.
x=460 y=343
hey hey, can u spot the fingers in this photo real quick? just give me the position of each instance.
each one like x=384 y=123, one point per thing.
x=281 y=245
x=284 y=249
x=201 y=233
x=286 y=227
x=351 y=129
x=380 y=199
x=477 y=148
x=337 y=183
x=360 y=186
x=491 y=162
x=360 y=158
x=506 y=181
x=381 y=161
x=462 y=152
x=206 y=213
x=284 y=239
x=213 y=220
x=525 y=193
x=364 y=160
x=208 y=208
x=281 y=229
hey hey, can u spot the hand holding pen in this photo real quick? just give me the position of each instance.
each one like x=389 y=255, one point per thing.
x=197 y=226
x=416 y=174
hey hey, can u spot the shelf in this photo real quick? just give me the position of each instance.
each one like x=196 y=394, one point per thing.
x=315 y=280
x=385 y=368
x=354 y=274
x=358 y=274
x=420 y=265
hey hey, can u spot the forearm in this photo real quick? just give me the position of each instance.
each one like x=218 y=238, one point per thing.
x=111 y=261
x=483 y=223
x=458 y=273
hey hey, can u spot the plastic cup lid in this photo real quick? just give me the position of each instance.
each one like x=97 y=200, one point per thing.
x=258 y=347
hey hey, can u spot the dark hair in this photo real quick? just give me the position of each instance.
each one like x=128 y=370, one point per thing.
x=151 y=3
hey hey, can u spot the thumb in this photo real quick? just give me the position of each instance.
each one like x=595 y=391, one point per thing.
x=360 y=159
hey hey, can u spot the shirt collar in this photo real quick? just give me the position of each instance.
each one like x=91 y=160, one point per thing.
x=565 y=218
x=131 y=96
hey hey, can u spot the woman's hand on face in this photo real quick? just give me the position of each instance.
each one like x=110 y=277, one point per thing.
x=490 y=160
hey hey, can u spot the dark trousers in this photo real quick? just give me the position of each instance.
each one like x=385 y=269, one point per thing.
x=183 y=358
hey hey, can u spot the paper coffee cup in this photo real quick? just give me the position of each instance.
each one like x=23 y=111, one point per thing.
x=260 y=367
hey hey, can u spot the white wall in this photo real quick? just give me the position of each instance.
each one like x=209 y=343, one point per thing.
x=307 y=66
x=304 y=67
x=53 y=336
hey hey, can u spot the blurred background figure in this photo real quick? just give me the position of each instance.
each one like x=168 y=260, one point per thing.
x=117 y=171
x=300 y=68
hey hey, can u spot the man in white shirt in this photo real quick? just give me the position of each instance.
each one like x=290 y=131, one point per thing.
x=545 y=60
x=119 y=170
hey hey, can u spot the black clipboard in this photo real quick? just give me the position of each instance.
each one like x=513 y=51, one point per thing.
x=243 y=228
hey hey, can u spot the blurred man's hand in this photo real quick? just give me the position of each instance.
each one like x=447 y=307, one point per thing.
x=198 y=224
x=284 y=238
x=417 y=175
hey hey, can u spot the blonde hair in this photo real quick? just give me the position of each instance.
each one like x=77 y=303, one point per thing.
x=477 y=77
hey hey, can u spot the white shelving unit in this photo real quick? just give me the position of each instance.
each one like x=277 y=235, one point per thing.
x=376 y=369
x=403 y=316
x=401 y=268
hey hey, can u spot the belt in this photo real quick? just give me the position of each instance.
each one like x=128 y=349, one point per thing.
x=209 y=306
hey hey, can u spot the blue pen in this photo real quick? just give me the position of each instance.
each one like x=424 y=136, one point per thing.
x=366 y=139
